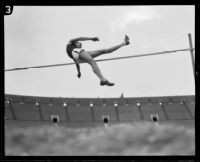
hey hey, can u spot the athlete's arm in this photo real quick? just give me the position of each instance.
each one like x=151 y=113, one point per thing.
x=84 y=39
x=78 y=68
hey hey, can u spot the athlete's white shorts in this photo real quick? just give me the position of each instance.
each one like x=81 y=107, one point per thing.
x=75 y=56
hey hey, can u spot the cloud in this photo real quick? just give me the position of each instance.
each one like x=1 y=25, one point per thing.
x=120 y=139
x=135 y=15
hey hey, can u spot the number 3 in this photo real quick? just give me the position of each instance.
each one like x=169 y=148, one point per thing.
x=8 y=9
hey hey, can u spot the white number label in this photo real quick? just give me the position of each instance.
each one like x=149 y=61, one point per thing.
x=8 y=9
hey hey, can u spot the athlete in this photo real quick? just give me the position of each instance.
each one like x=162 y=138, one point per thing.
x=81 y=55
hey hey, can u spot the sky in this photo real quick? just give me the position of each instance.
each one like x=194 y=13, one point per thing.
x=37 y=35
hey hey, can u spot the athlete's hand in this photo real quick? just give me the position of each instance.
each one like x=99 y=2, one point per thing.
x=79 y=75
x=95 y=39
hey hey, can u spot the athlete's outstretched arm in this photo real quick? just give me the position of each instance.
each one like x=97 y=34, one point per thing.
x=84 y=39
x=78 y=68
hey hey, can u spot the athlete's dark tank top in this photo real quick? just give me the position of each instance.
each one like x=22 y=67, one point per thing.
x=69 y=50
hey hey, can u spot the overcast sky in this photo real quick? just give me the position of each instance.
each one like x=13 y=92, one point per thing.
x=37 y=35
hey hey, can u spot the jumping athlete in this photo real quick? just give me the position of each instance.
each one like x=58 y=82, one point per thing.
x=88 y=56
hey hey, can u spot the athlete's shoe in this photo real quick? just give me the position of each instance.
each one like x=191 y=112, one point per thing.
x=106 y=82
x=126 y=40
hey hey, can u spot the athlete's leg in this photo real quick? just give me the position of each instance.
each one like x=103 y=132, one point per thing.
x=105 y=51
x=109 y=50
x=84 y=56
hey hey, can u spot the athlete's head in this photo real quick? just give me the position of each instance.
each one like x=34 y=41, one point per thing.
x=77 y=44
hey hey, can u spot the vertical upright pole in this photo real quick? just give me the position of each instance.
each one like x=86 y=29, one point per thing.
x=116 y=111
x=192 y=54
x=140 y=111
x=12 y=110
x=66 y=111
x=39 y=110
x=92 y=111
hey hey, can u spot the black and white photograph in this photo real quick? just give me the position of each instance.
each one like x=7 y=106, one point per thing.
x=100 y=80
